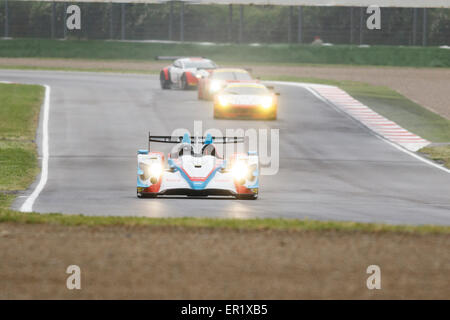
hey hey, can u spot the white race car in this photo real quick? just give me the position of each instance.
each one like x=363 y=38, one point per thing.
x=201 y=172
x=184 y=73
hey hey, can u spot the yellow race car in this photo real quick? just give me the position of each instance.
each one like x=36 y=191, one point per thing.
x=246 y=100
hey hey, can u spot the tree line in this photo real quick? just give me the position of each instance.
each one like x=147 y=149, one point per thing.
x=260 y=24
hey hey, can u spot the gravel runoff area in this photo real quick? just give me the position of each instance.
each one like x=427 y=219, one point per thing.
x=426 y=86
x=194 y=263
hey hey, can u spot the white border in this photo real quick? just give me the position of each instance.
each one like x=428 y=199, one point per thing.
x=27 y=206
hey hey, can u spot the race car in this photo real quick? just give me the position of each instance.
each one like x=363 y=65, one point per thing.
x=246 y=100
x=185 y=72
x=195 y=168
x=218 y=79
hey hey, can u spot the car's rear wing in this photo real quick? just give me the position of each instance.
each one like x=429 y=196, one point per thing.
x=173 y=57
x=168 y=57
x=194 y=139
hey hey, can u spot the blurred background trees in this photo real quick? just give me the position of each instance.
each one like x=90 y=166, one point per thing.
x=261 y=24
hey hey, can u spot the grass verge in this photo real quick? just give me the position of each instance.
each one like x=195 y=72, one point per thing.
x=438 y=153
x=249 y=224
x=282 y=53
x=18 y=121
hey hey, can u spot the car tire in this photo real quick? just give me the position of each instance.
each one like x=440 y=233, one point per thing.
x=273 y=116
x=184 y=84
x=216 y=114
x=146 y=195
x=165 y=83
x=247 y=196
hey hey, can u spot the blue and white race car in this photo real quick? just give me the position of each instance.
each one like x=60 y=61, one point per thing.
x=195 y=168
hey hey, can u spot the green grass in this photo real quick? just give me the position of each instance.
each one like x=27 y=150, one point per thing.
x=251 y=224
x=438 y=153
x=391 y=105
x=19 y=109
x=18 y=166
x=339 y=54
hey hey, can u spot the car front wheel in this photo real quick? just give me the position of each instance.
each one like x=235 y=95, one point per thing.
x=184 y=84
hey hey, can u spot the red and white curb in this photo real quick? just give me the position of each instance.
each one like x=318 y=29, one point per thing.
x=344 y=103
x=374 y=121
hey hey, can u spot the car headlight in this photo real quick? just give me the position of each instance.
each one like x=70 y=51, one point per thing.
x=156 y=169
x=240 y=170
x=223 y=101
x=215 y=86
x=198 y=75
x=266 y=102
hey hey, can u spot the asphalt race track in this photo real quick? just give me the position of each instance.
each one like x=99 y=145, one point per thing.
x=330 y=167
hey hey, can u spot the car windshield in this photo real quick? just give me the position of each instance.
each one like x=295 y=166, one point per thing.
x=230 y=75
x=199 y=64
x=242 y=76
x=246 y=90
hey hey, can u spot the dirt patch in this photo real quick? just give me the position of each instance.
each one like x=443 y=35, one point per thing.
x=426 y=86
x=189 y=263
x=151 y=66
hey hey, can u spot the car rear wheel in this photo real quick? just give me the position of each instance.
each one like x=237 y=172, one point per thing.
x=165 y=83
x=200 y=93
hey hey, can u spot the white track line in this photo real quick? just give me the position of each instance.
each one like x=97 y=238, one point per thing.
x=412 y=154
x=310 y=88
x=27 y=206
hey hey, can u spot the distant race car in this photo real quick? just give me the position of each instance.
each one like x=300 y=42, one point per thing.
x=218 y=79
x=185 y=72
x=246 y=100
x=195 y=168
